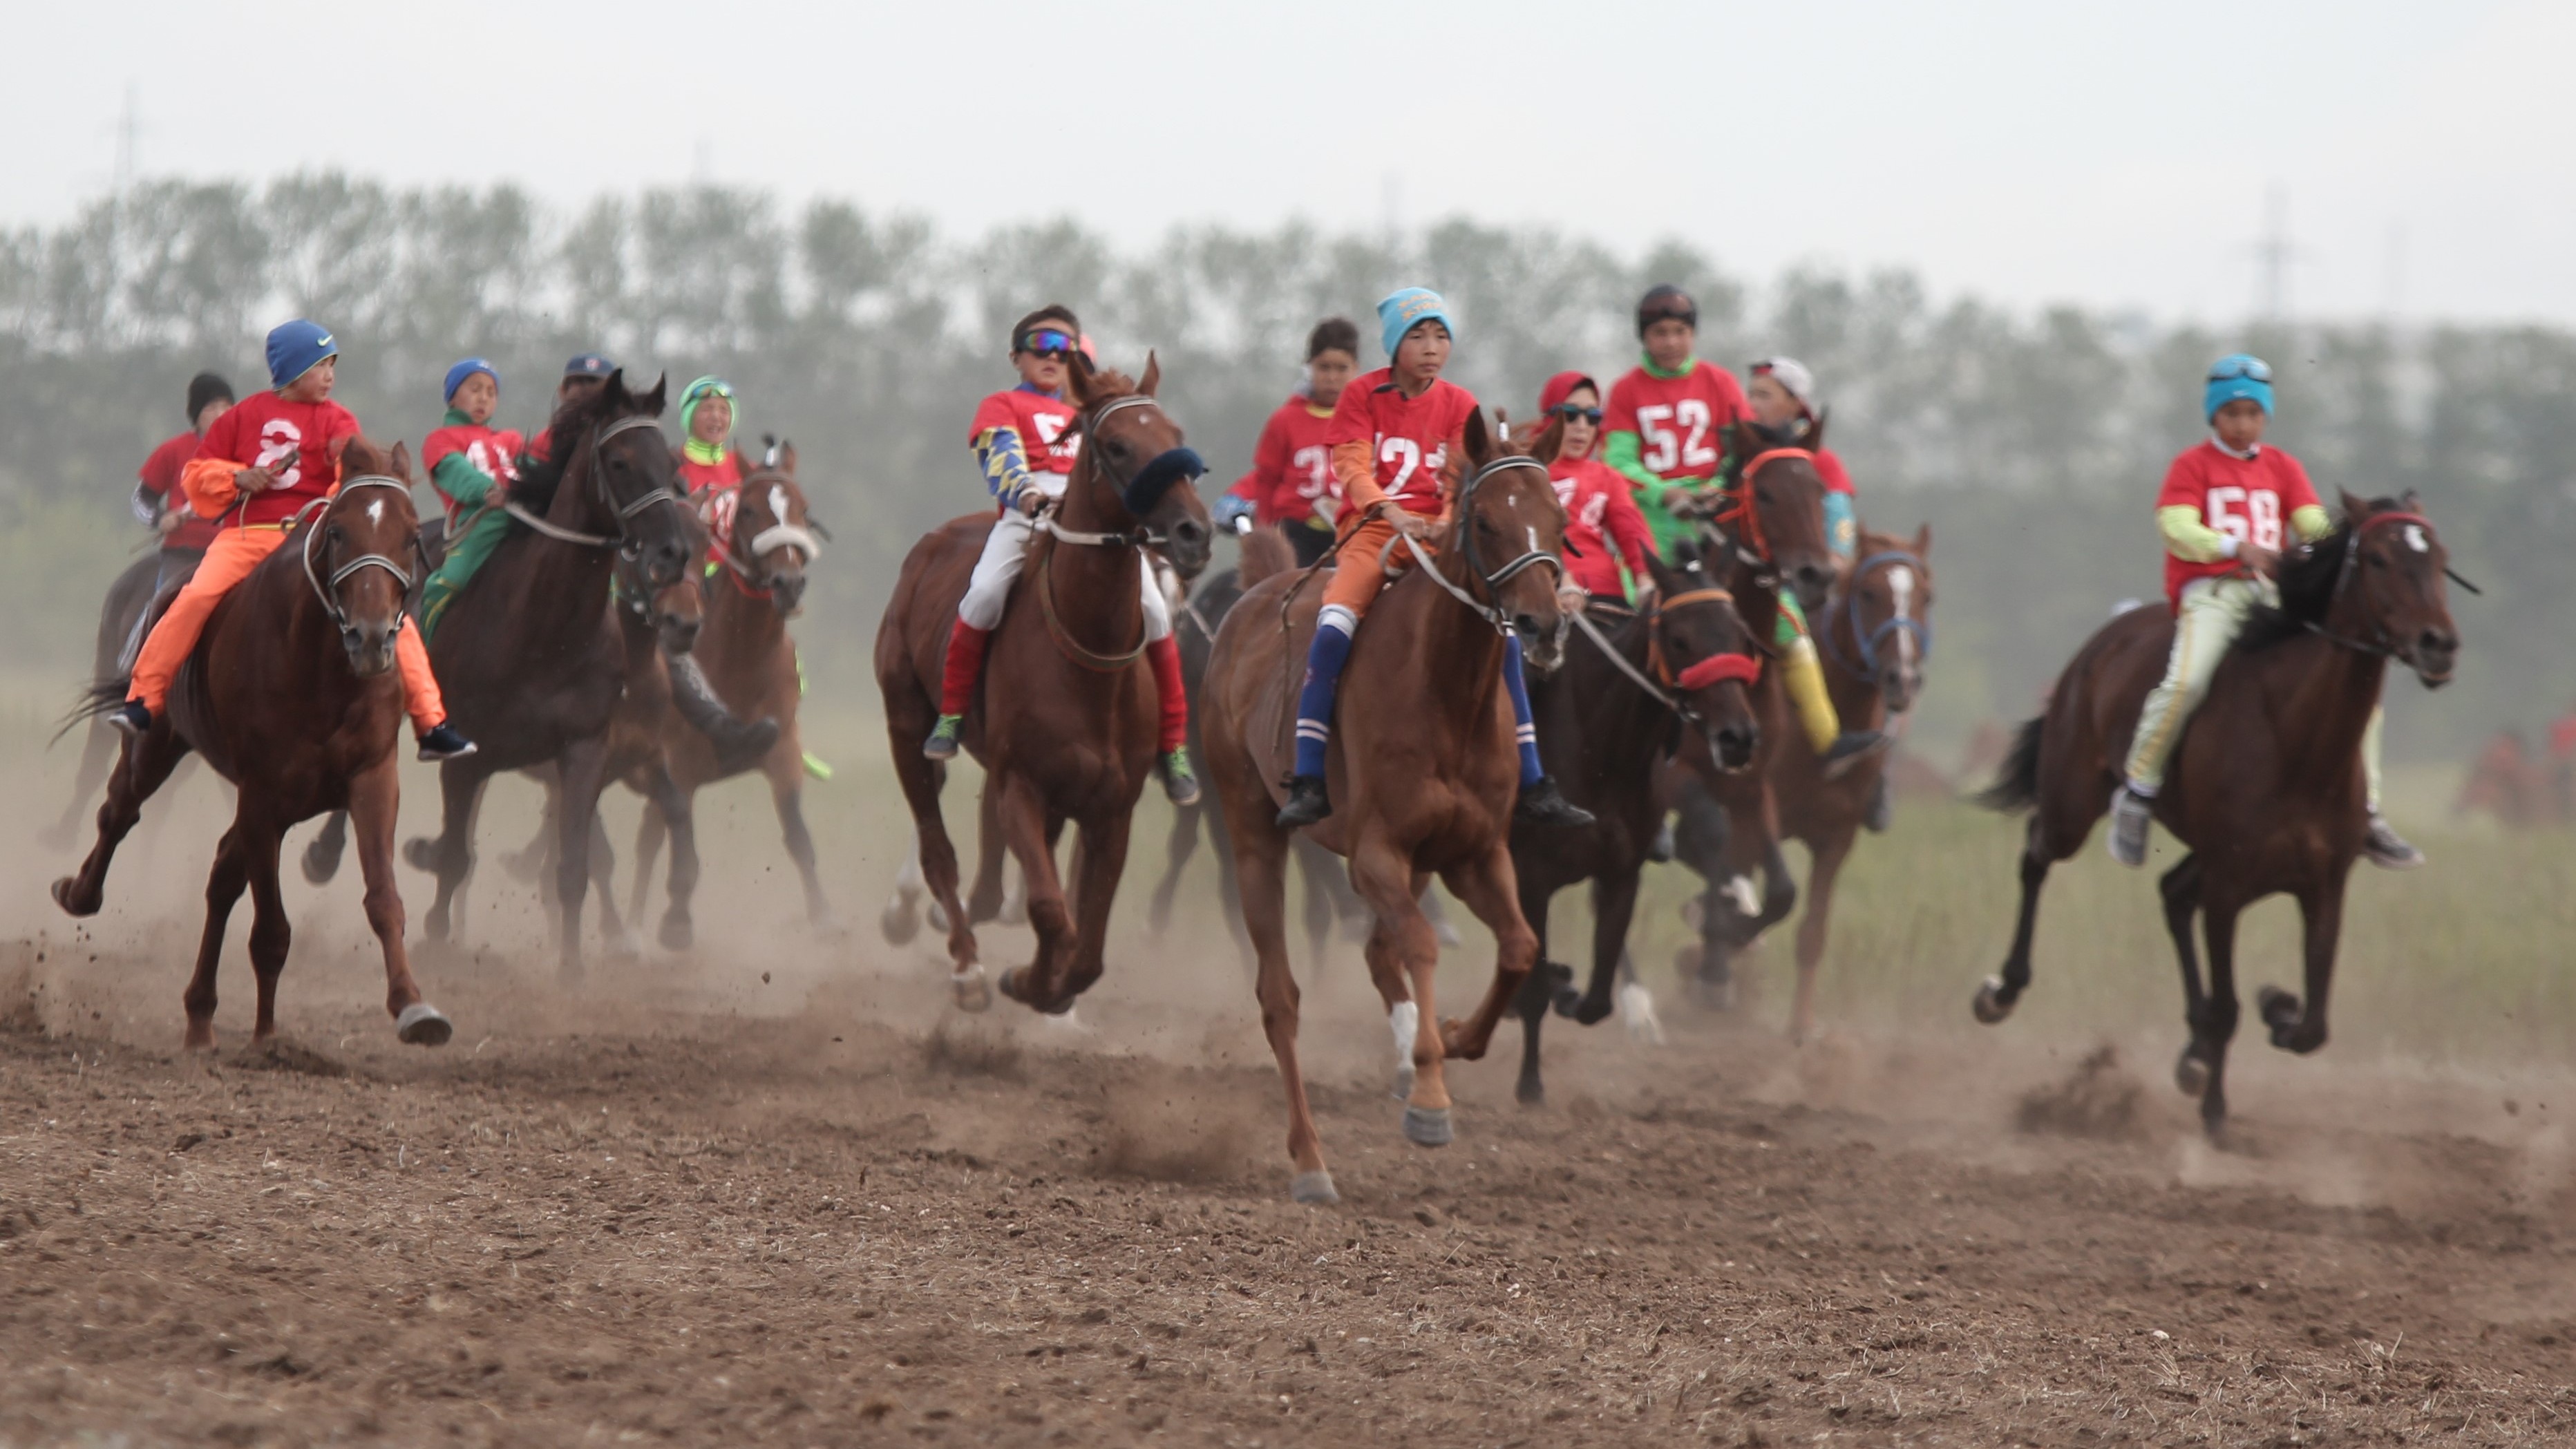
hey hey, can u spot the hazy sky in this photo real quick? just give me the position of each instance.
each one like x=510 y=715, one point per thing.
x=2115 y=155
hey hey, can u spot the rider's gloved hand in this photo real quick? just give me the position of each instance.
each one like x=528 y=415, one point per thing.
x=1031 y=502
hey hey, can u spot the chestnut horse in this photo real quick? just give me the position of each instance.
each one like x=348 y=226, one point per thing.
x=1683 y=664
x=2265 y=788
x=529 y=658
x=1768 y=520
x=750 y=663
x=291 y=694
x=1875 y=634
x=1423 y=769
x=1066 y=721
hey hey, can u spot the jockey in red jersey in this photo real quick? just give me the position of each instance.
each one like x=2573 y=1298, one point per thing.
x=2229 y=505
x=1398 y=440
x=471 y=467
x=1783 y=398
x=1667 y=418
x=1292 y=482
x=708 y=459
x=162 y=503
x=1025 y=444
x=260 y=465
x=1602 y=525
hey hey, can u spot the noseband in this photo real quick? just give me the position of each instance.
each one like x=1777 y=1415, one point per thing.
x=1490 y=612
x=620 y=540
x=329 y=593
x=1138 y=494
x=2351 y=563
x=783 y=533
x=1868 y=642
x=1674 y=690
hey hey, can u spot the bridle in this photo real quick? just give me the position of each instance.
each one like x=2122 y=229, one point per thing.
x=1493 y=581
x=329 y=592
x=622 y=540
x=1743 y=510
x=1867 y=643
x=2379 y=647
x=1139 y=492
x=1674 y=690
x=782 y=533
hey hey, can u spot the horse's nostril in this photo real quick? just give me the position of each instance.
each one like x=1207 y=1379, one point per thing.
x=1526 y=625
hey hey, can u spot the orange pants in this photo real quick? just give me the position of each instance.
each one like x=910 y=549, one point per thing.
x=229 y=560
x=1357 y=572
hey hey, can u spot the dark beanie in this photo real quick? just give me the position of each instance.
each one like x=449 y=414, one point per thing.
x=204 y=388
x=1666 y=300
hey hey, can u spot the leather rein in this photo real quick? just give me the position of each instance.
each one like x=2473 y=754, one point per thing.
x=1176 y=464
x=1667 y=688
x=620 y=540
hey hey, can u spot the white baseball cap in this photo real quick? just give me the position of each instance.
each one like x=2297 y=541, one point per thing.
x=1793 y=375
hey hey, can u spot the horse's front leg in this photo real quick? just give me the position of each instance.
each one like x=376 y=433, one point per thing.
x=787 y=796
x=374 y=796
x=1614 y=908
x=584 y=765
x=271 y=934
x=1099 y=861
x=1489 y=887
x=1029 y=833
x=2218 y=927
x=223 y=887
x=676 y=811
x=2301 y=1026
x=1537 y=998
x=1827 y=867
x=1403 y=953
x=143 y=767
x=451 y=856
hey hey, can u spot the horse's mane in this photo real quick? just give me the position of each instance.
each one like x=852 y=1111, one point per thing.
x=1265 y=552
x=2307 y=579
x=540 y=477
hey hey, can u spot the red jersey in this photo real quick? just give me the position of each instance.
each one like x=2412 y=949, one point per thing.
x=1408 y=438
x=1680 y=422
x=1292 y=467
x=159 y=476
x=1599 y=512
x=491 y=451
x=700 y=479
x=292 y=440
x=1830 y=469
x=1043 y=424
x=2249 y=499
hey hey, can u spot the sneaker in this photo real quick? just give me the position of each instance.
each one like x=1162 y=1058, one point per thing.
x=1542 y=803
x=442 y=742
x=1880 y=812
x=1307 y=802
x=131 y=719
x=2386 y=848
x=1179 y=781
x=2131 y=813
x=1853 y=747
x=942 y=744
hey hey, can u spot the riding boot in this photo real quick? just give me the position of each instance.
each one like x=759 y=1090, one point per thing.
x=2386 y=848
x=1171 y=741
x=1852 y=747
x=1541 y=802
x=2131 y=813
x=739 y=745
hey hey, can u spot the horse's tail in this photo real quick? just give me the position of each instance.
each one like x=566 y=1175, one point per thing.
x=98 y=697
x=1265 y=552
x=2016 y=784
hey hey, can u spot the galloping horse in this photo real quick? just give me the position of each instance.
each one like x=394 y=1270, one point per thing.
x=1876 y=631
x=292 y=695
x=1626 y=696
x=1423 y=769
x=1770 y=519
x=1066 y=723
x=120 y=633
x=530 y=660
x=2266 y=785
x=750 y=662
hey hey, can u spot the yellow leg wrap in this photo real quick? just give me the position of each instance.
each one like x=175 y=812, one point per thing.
x=1804 y=675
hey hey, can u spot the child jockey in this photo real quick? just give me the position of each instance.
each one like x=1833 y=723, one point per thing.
x=1599 y=513
x=1783 y=398
x=471 y=465
x=1668 y=417
x=256 y=468
x=2221 y=513
x=1021 y=441
x=708 y=458
x=162 y=503
x=1292 y=482
x=710 y=469
x=1398 y=441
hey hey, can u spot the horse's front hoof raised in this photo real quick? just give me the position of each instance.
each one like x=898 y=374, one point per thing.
x=422 y=1024
x=1991 y=1005
x=1427 y=1126
x=2191 y=1074
x=67 y=895
x=971 y=991
x=1314 y=1189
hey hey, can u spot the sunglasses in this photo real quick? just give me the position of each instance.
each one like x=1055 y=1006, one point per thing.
x=1569 y=412
x=1048 y=342
x=2236 y=367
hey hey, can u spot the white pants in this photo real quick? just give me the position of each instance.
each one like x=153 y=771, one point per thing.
x=1006 y=552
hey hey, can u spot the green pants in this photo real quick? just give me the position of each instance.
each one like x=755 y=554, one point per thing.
x=465 y=556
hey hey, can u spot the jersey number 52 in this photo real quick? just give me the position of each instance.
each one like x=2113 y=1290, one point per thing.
x=1685 y=444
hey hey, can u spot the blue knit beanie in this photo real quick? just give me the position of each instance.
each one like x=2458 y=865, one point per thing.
x=456 y=376
x=1403 y=310
x=2237 y=375
x=296 y=348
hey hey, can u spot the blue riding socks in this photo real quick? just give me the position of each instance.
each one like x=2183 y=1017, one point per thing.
x=1324 y=659
x=1524 y=730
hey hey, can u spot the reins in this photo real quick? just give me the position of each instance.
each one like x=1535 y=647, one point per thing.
x=329 y=593
x=1741 y=509
x=1670 y=692
x=2344 y=574
x=1166 y=469
x=1491 y=613
x=599 y=475
x=1867 y=643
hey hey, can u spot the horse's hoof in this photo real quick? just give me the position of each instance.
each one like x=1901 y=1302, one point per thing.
x=1403 y=1083
x=621 y=947
x=1637 y=1009
x=1531 y=1092
x=1313 y=1188
x=677 y=933
x=826 y=925
x=938 y=918
x=422 y=1024
x=1588 y=1012
x=2278 y=1009
x=1427 y=1126
x=900 y=921
x=1990 y=1005
x=201 y=1037
x=421 y=854
x=1710 y=995
x=971 y=991
x=2191 y=1074
x=66 y=895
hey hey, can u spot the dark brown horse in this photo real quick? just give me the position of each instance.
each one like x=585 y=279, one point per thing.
x=1066 y=721
x=292 y=695
x=1423 y=770
x=1875 y=633
x=750 y=662
x=1769 y=523
x=120 y=634
x=530 y=660
x=2265 y=787
x=1631 y=688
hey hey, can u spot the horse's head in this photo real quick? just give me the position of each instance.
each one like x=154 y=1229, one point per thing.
x=632 y=472
x=1888 y=603
x=1774 y=511
x=1508 y=530
x=1134 y=470
x=2392 y=588
x=1704 y=652
x=674 y=611
x=362 y=554
x=773 y=538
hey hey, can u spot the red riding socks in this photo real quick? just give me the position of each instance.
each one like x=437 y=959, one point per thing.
x=1165 y=655
x=966 y=665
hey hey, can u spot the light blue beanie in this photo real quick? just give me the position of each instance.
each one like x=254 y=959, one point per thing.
x=2237 y=375
x=1403 y=310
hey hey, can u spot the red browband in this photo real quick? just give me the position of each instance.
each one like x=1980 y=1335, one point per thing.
x=1743 y=668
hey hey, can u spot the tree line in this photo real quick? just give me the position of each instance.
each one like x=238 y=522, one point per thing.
x=2032 y=441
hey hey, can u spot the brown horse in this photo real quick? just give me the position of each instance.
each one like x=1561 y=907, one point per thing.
x=750 y=662
x=529 y=658
x=1066 y=723
x=292 y=695
x=1875 y=634
x=2266 y=784
x=120 y=633
x=1423 y=770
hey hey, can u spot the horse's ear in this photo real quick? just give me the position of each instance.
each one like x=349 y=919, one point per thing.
x=1661 y=573
x=613 y=391
x=652 y=401
x=2410 y=502
x=1815 y=438
x=1479 y=439
x=398 y=462
x=787 y=457
x=1153 y=377
x=2354 y=509
x=1923 y=541
x=1077 y=379
x=1548 y=441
